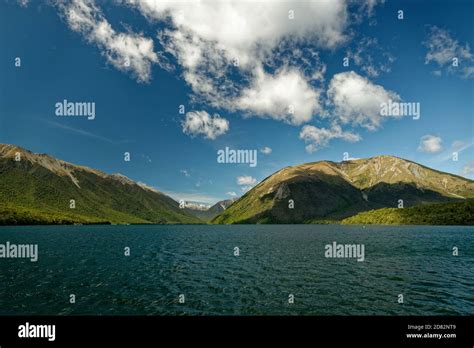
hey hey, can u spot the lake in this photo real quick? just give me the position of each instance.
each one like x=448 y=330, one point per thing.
x=276 y=265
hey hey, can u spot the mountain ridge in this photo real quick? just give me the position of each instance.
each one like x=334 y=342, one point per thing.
x=39 y=187
x=10 y=151
x=337 y=190
x=212 y=211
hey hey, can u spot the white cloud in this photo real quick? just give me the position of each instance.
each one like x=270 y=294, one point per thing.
x=458 y=146
x=266 y=150
x=248 y=29
x=317 y=138
x=286 y=96
x=468 y=169
x=23 y=3
x=246 y=180
x=125 y=51
x=442 y=49
x=207 y=37
x=363 y=56
x=245 y=188
x=430 y=144
x=185 y=173
x=357 y=101
x=81 y=132
x=231 y=193
x=200 y=122
x=192 y=196
x=205 y=68
x=369 y=5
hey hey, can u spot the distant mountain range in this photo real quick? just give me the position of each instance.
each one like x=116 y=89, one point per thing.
x=329 y=191
x=39 y=189
x=208 y=213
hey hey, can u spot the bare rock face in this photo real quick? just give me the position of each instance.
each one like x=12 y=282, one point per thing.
x=283 y=191
x=364 y=196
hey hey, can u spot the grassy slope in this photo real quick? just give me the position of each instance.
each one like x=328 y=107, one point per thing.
x=17 y=215
x=32 y=194
x=328 y=191
x=458 y=213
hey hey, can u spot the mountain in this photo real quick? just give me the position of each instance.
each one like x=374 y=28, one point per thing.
x=198 y=210
x=38 y=189
x=220 y=206
x=208 y=213
x=455 y=213
x=326 y=190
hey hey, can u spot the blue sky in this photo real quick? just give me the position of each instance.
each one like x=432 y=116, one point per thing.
x=76 y=51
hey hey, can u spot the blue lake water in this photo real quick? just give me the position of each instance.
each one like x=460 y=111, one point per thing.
x=275 y=261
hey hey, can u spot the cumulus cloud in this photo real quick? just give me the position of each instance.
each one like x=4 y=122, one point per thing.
x=242 y=56
x=125 y=51
x=212 y=40
x=306 y=58
x=430 y=144
x=357 y=101
x=286 y=96
x=231 y=193
x=443 y=48
x=266 y=150
x=247 y=29
x=201 y=123
x=236 y=55
x=246 y=180
x=317 y=138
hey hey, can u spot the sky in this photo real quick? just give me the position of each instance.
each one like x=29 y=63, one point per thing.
x=174 y=82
